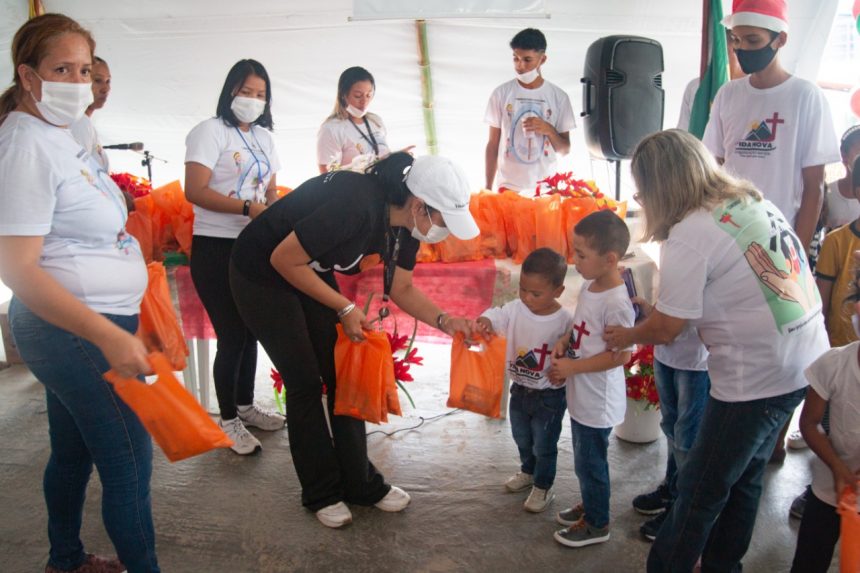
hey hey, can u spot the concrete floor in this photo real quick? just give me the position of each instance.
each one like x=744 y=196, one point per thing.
x=222 y=512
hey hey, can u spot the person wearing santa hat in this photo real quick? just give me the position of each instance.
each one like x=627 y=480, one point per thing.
x=773 y=128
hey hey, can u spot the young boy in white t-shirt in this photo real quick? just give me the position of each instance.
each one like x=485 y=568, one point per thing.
x=530 y=121
x=532 y=325
x=594 y=375
x=834 y=384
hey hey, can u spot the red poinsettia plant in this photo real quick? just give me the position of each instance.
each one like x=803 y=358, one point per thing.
x=132 y=184
x=403 y=350
x=639 y=376
x=566 y=185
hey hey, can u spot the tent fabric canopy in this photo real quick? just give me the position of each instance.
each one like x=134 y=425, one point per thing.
x=169 y=60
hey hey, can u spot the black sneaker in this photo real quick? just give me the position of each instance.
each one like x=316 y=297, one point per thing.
x=650 y=528
x=799 y=504
x=654 y=502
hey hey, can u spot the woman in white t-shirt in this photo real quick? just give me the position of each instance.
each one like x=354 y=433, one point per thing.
x=77 y=280
x=352 y=133
x=230 y=166
x=732 y=266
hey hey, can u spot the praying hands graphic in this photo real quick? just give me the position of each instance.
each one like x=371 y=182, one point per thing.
x=786 y=286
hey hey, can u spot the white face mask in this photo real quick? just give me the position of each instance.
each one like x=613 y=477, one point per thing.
x=63 y=103
x=855 y=321
x=247 y=109
x=355 y=112
x=529 y=76
x=435 y=234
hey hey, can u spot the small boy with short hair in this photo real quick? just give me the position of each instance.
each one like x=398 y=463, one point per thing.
x=593 y=375
x=530 y=121
x=532 y=324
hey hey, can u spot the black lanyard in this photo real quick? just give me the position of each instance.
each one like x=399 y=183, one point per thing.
x=390 y=264
x=369 y=137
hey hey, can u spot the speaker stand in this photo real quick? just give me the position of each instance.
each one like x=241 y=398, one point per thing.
x=617 y=180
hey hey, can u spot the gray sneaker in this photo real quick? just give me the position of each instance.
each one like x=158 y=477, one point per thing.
x=539 y=499
x=581 y=534
x=519 y=481
x=244 y=442
x=570 y=515
x=255 y=416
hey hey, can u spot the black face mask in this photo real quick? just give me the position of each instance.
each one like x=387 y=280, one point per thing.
x=753 y=61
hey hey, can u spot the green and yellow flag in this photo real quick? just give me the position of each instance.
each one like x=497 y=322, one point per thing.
x=715 y=65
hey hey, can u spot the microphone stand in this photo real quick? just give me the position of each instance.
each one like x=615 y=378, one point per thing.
x=147 y=162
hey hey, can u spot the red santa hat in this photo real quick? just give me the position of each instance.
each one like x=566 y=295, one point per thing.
x=767 y=14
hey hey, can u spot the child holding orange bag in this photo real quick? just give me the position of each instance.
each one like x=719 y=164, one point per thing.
x=532 y=324
x=594 y=376
x=834 y=382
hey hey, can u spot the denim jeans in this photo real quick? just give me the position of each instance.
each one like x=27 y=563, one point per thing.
x=719 y=485
x=88 y=424
x=683 y=395
x=536 y=417
x=591 y=466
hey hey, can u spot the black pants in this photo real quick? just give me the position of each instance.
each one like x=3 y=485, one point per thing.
x=299 y=335
x=819 y=532
x=236 y=358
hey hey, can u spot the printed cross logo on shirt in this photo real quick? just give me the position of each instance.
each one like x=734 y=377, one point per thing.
x=579 y=330
x=759 y=142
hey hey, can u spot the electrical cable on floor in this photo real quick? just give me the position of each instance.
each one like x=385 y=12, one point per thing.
x=418 y=425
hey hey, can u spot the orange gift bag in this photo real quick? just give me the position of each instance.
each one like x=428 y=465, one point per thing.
x=174 y=419
x=140 y=225
x=159 y=328
x=849 y=544
x=365 y=378
x=525 y=229
x=478 y=375
x=490 y=218
x=550 y=230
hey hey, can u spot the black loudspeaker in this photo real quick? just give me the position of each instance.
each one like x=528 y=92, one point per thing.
x=622 y=94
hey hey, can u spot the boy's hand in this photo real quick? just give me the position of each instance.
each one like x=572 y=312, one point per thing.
x=560 y=348
x=844 y=477
x=538 y=126
x=484 y=327
x=645 y=306
x=562 y=368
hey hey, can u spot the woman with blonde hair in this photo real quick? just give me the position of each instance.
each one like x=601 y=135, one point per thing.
x=77 y=279
x=351 y=131
x=733 y=267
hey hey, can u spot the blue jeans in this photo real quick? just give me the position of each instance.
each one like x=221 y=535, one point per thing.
x=719 y=485
x=683 y=395
x=536 y=417
x=88 y=424
x=591 y=466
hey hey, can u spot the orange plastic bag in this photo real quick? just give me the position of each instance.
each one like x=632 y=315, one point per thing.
x=525 y=228
x=849 y=544
x=550 y=230
x=575 y=210
x=508 y=202
x=490 y=218
x=365 y=378
x=141 y=227
x=174 y=419
x=159 y=328
x=177 y=216
x=478 y=375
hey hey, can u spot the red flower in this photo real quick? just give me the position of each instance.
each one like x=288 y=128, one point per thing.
x=277 y=381
x=639 y=374
x=136 y=186
x=397 y=342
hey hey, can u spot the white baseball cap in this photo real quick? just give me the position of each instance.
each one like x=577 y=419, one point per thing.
x=443 y=185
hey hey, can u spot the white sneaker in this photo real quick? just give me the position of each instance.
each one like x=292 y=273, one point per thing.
x=539 y=499
x=335 y=515
x=255 y=416
x=395 y=500
x=519 y=481
x=244 y=442
x=796 y=442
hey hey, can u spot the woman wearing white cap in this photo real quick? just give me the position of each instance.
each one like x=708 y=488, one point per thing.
x=283 y=283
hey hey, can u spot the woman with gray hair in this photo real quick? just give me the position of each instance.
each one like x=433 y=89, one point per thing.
x=732 y=265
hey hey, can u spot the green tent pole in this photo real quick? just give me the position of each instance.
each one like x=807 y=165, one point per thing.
x=426 y=87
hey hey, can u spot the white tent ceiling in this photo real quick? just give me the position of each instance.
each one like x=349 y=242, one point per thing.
x=169 y=60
